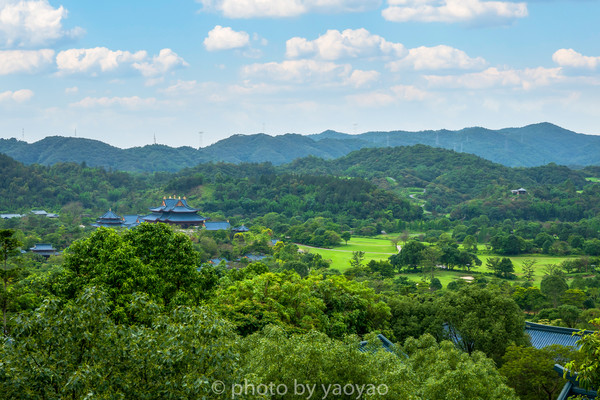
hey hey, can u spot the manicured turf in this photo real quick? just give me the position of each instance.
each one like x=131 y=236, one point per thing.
x=380 y=248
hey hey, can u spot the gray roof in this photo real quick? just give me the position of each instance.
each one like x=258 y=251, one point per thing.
x=8 y=216
x=546 y=335
x=217 y=226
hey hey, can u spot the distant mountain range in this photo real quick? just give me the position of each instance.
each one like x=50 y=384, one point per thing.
x=532 y=145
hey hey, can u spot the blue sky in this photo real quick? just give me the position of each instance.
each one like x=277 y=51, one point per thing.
x=126 y=71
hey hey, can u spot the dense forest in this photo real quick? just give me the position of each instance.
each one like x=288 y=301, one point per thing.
x=156 y=312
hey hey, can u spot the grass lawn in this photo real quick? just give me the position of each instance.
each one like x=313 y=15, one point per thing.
x=380 y=248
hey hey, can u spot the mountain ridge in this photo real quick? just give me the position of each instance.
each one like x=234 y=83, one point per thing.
x=528 y=146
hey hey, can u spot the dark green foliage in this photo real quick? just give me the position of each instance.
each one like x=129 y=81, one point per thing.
x=482 y=319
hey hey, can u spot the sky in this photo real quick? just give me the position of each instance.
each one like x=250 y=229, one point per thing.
x=192 y=72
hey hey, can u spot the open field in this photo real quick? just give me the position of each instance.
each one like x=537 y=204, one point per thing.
x=380 y=248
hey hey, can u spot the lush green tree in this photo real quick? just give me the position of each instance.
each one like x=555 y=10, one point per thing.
x=357 y=259
x=528 y=269
x=444 y=372
x=414 y=316
x=482 y=319
x=530 y=371
x=76 y=350
x=553 y=286
x=530 y=298
x=382 y=267
x=587 y=365
x=409 y=256
x=346 y=236
x=8 y=247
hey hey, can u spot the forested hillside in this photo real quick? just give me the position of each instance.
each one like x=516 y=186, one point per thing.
x=532 y=145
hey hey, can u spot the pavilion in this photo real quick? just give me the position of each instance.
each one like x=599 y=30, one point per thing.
x=175 y=211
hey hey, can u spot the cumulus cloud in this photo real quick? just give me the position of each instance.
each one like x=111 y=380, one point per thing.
x=437 y=57
x=32 y=23
x=95 y=59
x=284 y=8
x=350 y=43
x=359 y=78
x=300 y=71
x=571 y=58
x=100 y=59
x=18 y=96
x=451 y=11
x=494 y=77
x=225 y=38
x=166 y=61
x=15 y=61
x=132 y=103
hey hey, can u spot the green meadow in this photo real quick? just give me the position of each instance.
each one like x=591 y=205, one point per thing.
x=380 y=248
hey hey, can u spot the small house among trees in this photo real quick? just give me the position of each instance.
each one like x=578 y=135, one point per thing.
x=44 y=249
x=519 y=191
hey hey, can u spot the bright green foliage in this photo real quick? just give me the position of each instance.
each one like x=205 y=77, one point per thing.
x=442 y=372
x=410 y=255
x=8 y=247
x=483 y=320
x=333 y=305
x=530 y=371
x=529 y=299
x=152 y=259
x=587 y=365
x=77 y=351
x=432 y=371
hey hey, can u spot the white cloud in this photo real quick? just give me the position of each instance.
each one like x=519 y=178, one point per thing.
x=409 y=93
x=494 y=77
x=18 y=96
x=225 y=38
x=166 y=60
x=181 y=87
x=284 y=8
x=454 y=11
x=100 y=59
x=133 y=102
x=32 y=23
x=95 y=59
x=15 y=61
x=571 y=58
x=437 y=57
x=350 y=43
x=360 y=78
x=300 y=71
x=72 y=90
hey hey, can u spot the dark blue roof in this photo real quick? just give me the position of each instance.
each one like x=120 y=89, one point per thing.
x=42 y=247
x=546 y=335
x=572 y=388
x=175 y=205
x=241 y=229
x=217 y=226
x=109 y=215
x=385 y=344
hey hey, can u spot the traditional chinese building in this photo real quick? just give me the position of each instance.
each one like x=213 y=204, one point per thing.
x=112 y=220
x=44 y=249
x=175 y=211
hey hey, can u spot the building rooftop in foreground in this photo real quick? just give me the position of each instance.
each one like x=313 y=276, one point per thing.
x=546 y=335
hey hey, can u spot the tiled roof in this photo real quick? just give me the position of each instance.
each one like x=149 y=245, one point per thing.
x=546 y=335
x=572 y=388
x=217 y=226
x=365 y=346
x=177 y=205
x=8 y=216
x=110 y=215
x=42 y=247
